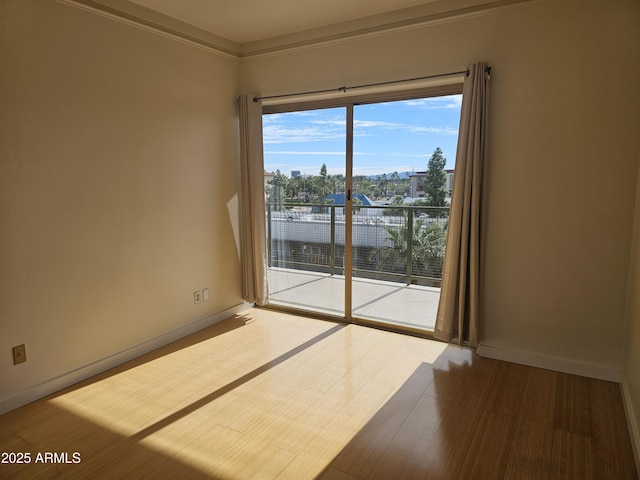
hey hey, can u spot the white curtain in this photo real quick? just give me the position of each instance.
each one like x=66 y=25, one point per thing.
x=253 y=236
x=459 y=308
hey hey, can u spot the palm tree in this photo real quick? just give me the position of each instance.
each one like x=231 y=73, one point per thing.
x=427 y=250
x=394 y=181
x=293 y=188
x=392 y=259
x=277 y=189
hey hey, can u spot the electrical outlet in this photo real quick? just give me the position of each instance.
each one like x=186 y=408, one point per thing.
x=196 y=297
x=19 y=354
x=205 y=294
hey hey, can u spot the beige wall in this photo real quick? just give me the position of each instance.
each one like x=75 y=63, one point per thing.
x=118 y=159
x=563 y=161
x=631 y=381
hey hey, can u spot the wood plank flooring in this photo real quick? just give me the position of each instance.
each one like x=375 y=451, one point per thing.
x=275 y=396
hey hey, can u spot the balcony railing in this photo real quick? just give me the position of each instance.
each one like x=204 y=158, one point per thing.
x=310 y=237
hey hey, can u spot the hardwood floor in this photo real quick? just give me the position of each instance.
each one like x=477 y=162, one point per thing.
x=272 y=395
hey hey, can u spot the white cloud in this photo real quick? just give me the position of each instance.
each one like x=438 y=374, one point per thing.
x=338 y=122
x=376 y=123
x=436 y=130
x=296 y=152
x=359 y=125
x=284 y=134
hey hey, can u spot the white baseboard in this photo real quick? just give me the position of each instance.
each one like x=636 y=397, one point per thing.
x=82 y=373
x=551 y=363
x=632 y=422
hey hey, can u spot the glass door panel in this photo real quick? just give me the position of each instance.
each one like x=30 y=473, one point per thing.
x=305 y=178
x=401 y=195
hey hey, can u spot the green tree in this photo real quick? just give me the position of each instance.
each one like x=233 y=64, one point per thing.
x=322 y=184
x=277 y=189
x=427 y=250
x=362 y=184
x=402 y=188
x=337 y=183
x=293 y=188
x=431 y=240
x=395 y=178
x=380 y=186
x=436 y=179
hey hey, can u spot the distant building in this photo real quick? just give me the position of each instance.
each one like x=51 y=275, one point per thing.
x=416 y=183
x=448 y=185
x=268 y=176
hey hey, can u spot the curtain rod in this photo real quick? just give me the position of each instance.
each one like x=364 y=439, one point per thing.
x=344 y=89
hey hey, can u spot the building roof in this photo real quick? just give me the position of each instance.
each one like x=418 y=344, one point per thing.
x=339 y=199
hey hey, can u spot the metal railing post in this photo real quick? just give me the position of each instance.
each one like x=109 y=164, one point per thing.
x=332 y=247
x=409 y=244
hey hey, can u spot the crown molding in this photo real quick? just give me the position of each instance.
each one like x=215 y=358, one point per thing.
x=152 y=21
x=438 y=11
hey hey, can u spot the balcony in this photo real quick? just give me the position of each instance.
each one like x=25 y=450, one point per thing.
x=395 y=281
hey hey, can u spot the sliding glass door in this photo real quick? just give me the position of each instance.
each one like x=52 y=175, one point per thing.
x=357 y=207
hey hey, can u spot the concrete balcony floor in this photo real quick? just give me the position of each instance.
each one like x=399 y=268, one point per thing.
x=381 y=301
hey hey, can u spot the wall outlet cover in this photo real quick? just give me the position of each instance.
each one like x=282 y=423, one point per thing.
x=19 y=354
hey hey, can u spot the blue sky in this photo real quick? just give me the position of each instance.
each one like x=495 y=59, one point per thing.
x=393 y=136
